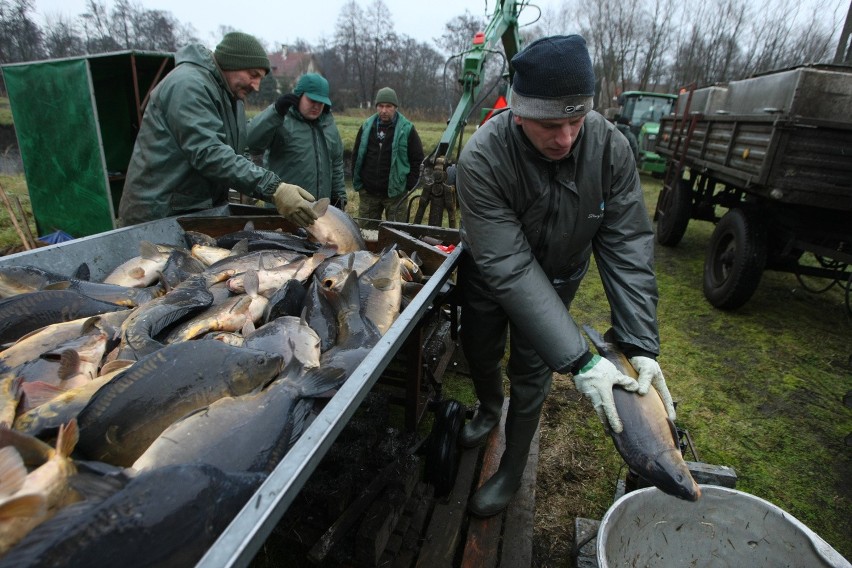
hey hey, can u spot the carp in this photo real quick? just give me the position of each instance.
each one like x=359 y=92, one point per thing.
x=381 y=290
x=130 y=411
x=648 y=442
x=257 y=427
x=334 y=227
x=168 y=517
x=28 y=312
x=143 y=270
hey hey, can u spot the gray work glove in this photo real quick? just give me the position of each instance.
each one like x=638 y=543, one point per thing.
x=650 y=375
x=294 y=204
x=595 y=380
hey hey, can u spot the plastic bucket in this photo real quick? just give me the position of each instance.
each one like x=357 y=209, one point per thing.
x=725 y=527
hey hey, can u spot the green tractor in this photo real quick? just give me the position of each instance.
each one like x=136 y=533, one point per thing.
x=644 y=110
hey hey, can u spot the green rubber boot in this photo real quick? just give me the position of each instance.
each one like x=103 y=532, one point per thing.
x=489 y=391
x=495 y=494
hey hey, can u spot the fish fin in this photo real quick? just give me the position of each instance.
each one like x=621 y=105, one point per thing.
x=415 y=258
x=405 y=274
x=149 y=250
x=251 y=282
x=13 y=472
x=37 y=393
x=66 y=440
x=319 y=380
x=115 y=365
x=248 y=327
x=69 y=364
x=83 y=272
x=33 y=451
x=241 y=247
x=328 y=250
x=249 y=226
x=29 y=505
x=320 y=206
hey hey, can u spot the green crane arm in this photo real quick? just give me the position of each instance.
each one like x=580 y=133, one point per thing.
x=502 y=26
x=436 y=193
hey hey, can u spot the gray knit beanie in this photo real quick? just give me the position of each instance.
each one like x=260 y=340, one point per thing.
x=553 y=79
x=239 y=51
x=387 y=95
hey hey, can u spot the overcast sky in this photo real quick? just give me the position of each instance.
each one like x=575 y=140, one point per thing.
x=283 y=21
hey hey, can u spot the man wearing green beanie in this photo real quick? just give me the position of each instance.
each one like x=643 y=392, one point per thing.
x=386 y=160
x=189 y=150
x=300 y=139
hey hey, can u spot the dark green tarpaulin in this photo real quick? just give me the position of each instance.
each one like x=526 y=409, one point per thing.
x=76 y=121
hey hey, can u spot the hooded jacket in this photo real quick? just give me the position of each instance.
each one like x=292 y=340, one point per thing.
x=189 y=151
x=308 y=153
x=531 y=224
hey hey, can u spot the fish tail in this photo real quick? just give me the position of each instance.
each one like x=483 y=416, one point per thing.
x=66 y=440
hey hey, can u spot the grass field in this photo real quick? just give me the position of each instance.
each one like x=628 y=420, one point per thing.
x=759 y=389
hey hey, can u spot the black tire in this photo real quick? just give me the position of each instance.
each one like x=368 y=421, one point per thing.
x=673 y=213
x=442 y=452
x=735 y=259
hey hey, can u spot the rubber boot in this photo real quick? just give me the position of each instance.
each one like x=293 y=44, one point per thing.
x=495 y=494
x=489 y=391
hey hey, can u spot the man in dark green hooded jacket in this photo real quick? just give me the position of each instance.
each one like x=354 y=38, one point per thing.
x=189 y=151
x=302 y=139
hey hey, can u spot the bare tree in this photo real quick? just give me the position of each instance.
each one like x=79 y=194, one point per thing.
x=62 y=38
x=20 y=38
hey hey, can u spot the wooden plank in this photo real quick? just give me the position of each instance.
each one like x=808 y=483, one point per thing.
x=518 y=526
x=483 y=535
x=444 y=532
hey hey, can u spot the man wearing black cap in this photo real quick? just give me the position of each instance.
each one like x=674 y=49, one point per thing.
x=385 y=160
x=541 y=187
x=303 y=141
x=188 y=152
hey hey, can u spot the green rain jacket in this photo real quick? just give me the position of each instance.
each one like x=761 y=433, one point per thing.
x=302 y=152
x=531 y=224
x=189 y=150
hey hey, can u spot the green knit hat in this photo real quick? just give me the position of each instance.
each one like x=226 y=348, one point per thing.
x=387 y=95
x=239 y=51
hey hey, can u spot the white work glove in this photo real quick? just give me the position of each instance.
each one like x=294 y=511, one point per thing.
x=595 y=380
x=650 y=375
x=294 y=203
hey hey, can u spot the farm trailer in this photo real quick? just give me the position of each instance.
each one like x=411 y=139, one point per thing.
x=768 y=160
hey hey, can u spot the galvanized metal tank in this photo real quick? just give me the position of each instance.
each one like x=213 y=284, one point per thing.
x=724 y=528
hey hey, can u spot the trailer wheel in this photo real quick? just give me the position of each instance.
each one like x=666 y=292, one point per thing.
x=735 y=259
x=673 y=213
x=442 y=453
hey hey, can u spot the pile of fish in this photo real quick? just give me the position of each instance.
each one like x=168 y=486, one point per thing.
x=138 y=413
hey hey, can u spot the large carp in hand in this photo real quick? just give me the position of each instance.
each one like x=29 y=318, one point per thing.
x=168 y=517
x=648 y=442
x=334 y=227
x=128 y=413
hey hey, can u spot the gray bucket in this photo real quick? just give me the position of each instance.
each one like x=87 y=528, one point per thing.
x=724 y=528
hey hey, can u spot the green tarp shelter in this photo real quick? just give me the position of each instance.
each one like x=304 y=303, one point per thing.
x=76 y=121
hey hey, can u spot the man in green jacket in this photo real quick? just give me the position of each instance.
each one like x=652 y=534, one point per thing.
x=386 y=160
x=189 y=151
x=302 y=139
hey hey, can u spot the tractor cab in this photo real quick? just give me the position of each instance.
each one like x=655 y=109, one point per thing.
x=644 y=110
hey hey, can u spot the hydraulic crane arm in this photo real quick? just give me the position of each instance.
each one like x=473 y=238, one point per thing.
x=436 y=193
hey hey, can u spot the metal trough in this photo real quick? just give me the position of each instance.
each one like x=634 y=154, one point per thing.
x=247 y=532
